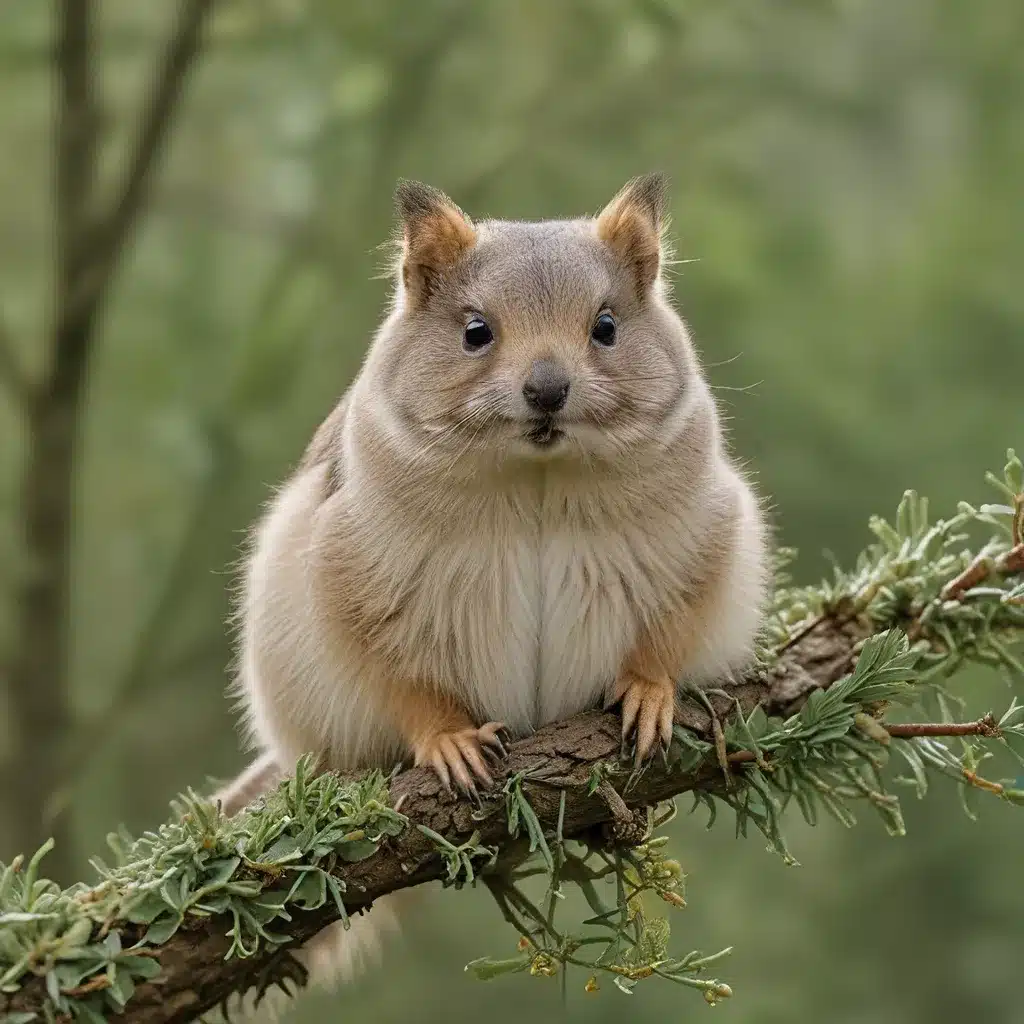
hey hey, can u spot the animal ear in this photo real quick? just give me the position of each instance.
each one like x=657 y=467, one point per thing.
x=435 y=234
x=631 y=226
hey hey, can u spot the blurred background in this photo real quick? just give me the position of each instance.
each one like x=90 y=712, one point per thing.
x=847 y=207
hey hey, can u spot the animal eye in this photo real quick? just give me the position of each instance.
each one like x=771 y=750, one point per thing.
x=603 y=331
x=477 y=335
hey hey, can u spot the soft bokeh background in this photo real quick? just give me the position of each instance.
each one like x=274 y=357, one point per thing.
x=847 y=203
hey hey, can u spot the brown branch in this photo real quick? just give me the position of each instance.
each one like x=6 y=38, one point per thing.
x=974 y=574
x=981 y=568
x=195 y=976
x=907 y=730
x=1013 y=560
x=981 y=783
x=77 y=137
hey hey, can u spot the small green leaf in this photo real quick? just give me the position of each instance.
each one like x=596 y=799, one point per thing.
x=145 y=908
x=485 y=968
x=85 y=1011
x=140 y=966
x=23 y=917
x=70 y=975
x=356 y=850
x=1013 y=472
x=285 y=849
x=121 y=989
x=161 y=930
x=309 y=890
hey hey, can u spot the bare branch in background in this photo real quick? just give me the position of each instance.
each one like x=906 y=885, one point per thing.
x=154 y=125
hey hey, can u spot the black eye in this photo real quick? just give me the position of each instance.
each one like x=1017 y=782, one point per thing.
x=477 y=335
x=603 y=331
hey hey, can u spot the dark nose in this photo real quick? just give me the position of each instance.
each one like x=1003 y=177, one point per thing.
x=547 y=387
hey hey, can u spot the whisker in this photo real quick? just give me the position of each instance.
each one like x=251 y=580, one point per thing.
x=724 y=362
x=728 y=387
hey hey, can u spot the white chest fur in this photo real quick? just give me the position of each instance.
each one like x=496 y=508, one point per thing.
x=527 y=611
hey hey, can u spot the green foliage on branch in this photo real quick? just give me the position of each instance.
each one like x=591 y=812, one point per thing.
x=926 y=600
x=271 y=858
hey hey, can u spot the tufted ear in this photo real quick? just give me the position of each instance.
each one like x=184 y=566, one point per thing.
x=435 y=234
x=631 y=226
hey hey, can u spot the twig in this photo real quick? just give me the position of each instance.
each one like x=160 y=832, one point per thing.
x=982 y=727
x=981 y=783
x=799 y=635
x=979 y=570
x=907 y=730
x=974 y=574
x=1013 y=560
x=76 y=142
x=741 y=756
x=101 y=981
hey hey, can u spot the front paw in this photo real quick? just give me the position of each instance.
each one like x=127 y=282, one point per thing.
x=647 y=709
x=459 y=755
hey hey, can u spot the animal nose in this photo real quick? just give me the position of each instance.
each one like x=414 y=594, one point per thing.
x=547 y=387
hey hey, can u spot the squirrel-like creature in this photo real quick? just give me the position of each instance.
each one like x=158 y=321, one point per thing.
x=523 y=508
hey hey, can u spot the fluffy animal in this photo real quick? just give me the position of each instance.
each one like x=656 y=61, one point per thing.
x=522 y=508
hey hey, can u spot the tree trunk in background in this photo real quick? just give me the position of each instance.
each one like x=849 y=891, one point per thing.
x=39 y=675
x=88 y=246
x=39 y=671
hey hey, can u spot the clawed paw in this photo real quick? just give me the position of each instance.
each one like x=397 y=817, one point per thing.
x=461 y=756
x=647 y=709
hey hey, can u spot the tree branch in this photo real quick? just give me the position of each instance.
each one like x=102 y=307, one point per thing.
x=985 y=726
x=982 y=567
x=567 y=777
x=77 y=136
x=195 y=977
x=156 y=120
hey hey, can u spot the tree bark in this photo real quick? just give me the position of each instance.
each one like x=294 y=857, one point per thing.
x=195 y=976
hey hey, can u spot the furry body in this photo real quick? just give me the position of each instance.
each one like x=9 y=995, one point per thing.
x=449 y=553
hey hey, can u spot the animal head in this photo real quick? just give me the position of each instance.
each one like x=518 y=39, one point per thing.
x=536 y=341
